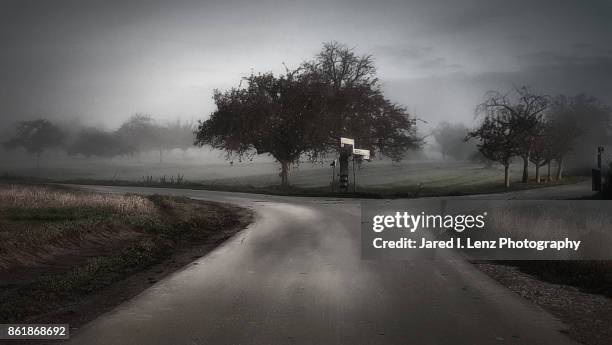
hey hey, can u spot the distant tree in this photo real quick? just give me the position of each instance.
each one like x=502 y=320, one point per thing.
x=161 y=139
x=96 y=142
x=541 y=148
x=178 y=135
x=451 y=143
x=496 y=141
x=580 y=124
x=35 y=136
x=306 y=111
x=139 y=134
x=524 y=111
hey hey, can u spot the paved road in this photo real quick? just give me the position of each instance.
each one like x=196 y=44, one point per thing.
x=295 y=277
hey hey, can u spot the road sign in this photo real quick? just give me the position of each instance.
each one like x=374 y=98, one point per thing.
x=361 y=152
x=347 y=141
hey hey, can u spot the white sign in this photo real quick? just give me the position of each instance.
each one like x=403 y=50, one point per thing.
x=362 y=152
x=347 y=141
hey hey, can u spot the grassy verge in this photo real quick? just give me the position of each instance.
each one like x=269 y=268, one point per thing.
x=60 y=246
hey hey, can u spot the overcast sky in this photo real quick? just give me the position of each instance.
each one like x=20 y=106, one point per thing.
x=101 y=61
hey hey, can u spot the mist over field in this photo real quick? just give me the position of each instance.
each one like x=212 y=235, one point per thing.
x=89 y=68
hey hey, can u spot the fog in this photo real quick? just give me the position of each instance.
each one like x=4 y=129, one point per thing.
x=96 y=63
x=101 y=61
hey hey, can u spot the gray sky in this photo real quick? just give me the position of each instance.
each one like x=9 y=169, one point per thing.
x=101 y=61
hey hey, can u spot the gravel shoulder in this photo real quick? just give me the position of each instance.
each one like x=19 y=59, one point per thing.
x=587 y=315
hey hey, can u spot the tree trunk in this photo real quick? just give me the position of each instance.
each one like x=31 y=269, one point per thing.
x=525 y=169
x=284 y=174
x=507 y=176
x=537 y=172
x=37 y=160
x=160 y=155
x=559 y=169
x=548 y=177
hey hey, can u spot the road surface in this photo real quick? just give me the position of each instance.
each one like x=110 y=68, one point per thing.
x=295 y=276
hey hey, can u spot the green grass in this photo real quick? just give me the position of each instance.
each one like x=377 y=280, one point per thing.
x=375 y=192
x=376 y=179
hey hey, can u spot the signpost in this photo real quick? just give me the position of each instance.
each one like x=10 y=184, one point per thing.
x=365 y=154
x=347 y=149
x=347 y=141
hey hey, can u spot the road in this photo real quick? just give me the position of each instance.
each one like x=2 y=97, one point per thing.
x=295 y=276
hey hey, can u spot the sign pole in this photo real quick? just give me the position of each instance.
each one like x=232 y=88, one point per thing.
x=333 y=164
x=354 y=180
x=346 y=150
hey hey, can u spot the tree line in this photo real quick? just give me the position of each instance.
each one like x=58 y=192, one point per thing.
x=299 y=114
x=138 y=134
x=539 y=130
x=303 y=112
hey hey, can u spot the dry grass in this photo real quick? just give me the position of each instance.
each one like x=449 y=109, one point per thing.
x=41 y=222
x=12 y=196
x=588 y=269
x=59 y=245
x=588 y=222
x=550 y=223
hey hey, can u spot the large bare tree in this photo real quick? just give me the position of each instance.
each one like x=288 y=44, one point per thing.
x=496 y=141
x=355 y=107
x=273 y=115
x=541 y=148
x=524 y=111
x=306 y=111
x=579 y=124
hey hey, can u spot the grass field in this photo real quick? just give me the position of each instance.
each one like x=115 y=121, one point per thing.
x=409 y=178
x=58 y=246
